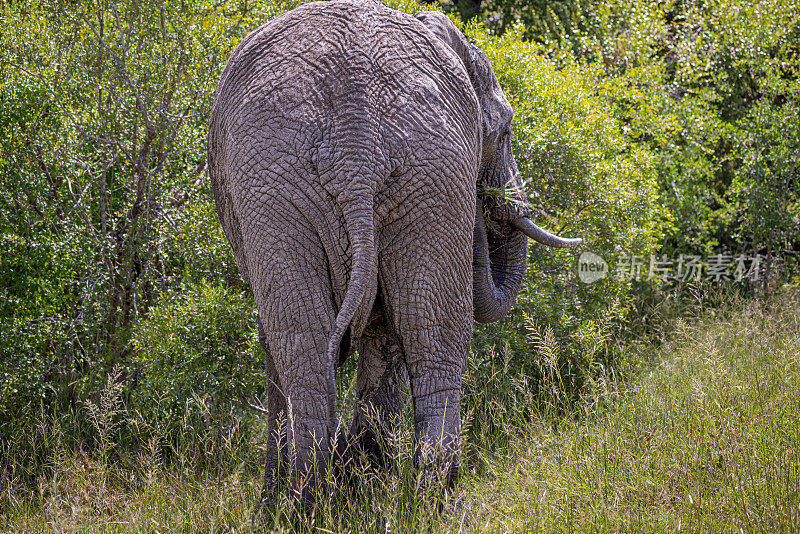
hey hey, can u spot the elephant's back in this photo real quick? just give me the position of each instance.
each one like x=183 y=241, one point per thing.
x=322 y=95
x=338 y=60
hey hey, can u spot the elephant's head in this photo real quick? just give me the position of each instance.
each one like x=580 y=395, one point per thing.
x=502 y=223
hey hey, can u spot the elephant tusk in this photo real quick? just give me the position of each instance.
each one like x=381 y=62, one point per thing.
x=527 y=227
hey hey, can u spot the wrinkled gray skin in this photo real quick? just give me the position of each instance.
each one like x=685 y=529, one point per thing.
x=346 y=144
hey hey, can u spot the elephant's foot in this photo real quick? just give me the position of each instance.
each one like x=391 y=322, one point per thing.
x=457 y=511
x=305 y=475
x=371 y=436
x=440 y=462
x=381 y=384
x=437 y=425
x=274 y=474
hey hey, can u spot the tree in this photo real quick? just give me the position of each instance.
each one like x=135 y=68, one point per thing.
x=103 y=115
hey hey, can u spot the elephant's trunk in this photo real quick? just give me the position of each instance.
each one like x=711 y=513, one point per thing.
x=498 y=263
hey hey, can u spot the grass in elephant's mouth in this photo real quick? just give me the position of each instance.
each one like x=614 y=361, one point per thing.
x=707 y=440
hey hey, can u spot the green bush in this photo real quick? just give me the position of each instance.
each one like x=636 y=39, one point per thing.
x=201 y=342
x=588 y=179
x=730 y=69
x=765 y=191
x=694 y=83
x=102 y=206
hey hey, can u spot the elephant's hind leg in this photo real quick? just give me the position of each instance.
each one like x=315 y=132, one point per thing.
x=298 y=358
x=294 y=300
x=381 y=384
x=277 y=450
x=435 y=339
x=427 y=279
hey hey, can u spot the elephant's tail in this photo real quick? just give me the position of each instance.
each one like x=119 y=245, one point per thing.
x=360 y=227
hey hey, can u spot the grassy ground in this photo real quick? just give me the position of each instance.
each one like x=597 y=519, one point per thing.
x=706 y=439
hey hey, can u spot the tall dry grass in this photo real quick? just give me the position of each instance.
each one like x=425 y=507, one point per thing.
x=706 y=438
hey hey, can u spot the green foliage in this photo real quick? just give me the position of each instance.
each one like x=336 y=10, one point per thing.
x=623 y=33
x=694 y=83
x=104 y=204
x=730 y=68
x=766 y=185
x=586 y=178
x=638 y=126
x=196 y=248
x=203 y=342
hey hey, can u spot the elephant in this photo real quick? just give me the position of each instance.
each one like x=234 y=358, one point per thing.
x=347 y=144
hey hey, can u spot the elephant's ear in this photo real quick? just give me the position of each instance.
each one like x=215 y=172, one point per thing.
x=496 y=109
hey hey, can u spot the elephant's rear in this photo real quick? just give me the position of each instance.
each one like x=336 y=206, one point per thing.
x=285 y=90
x=342 y=132
x=329 y=101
